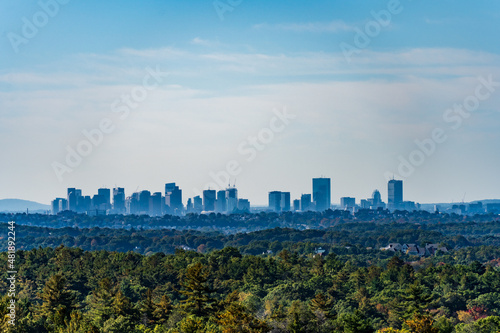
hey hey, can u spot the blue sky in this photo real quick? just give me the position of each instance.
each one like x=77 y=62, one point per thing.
x=355 y=118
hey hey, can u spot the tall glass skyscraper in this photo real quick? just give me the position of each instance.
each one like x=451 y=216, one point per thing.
x=119 y=200
x=279 y=201
x=209 y=197
x=173 y=198
x=395 y=194
x=232 y=199
x=322 y=193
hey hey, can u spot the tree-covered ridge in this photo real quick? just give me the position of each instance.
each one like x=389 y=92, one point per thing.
x=71 y=290
x=361 y=235
x=242 y=222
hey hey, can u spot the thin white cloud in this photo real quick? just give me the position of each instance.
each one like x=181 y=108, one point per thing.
x=184 y=66
x=204 y=42
x=164 y=53
x=315 y=27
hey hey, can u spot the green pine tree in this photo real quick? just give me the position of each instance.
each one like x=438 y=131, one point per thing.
x=147 y=308
x=57 y=302
x=101 y=303
x=198 y=301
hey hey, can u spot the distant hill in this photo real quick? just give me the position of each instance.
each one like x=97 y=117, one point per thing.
x=18 y=205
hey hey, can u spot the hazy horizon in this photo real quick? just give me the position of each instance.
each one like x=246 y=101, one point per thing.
x=274 y=94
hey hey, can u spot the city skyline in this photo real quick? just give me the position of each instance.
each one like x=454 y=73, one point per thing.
x=393 y=189
x=227 y=202
x=267 y=95
x=221 y=201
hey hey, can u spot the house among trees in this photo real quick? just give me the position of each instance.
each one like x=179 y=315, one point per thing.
x=414 y=249
x=394 y=247
x=319 y=251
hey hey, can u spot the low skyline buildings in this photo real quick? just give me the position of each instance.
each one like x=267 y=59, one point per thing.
x=375 y=202
x=114 y=201
x=155 y=204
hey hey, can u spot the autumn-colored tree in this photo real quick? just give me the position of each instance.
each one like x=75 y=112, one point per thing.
x=421 y=324
x=392 y=330
x=79 y=324
x=122 y=305
x=162 y=310
x=235 y=318
x=320 y=303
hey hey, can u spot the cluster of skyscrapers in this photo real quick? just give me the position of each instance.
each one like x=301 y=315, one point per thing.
x=223 y=201
x=394 y=200
x=153 y=204
x=319 y=201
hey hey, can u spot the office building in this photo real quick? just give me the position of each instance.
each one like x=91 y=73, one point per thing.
x=244 y=205
x=275 y=201
x=296 y=205
x=395 y=194
x=173 y=199
x=197 y=204
x=144 y=202
x=73 y=194
x=106 y=193
x=232 y=199
x=156 y=204
x=347 y=202
x=221 y=204
x=189 y=206
x=209 y=200
x=375 y=202
x=81 y=204
x=285 y=201
x=376 y=198
x=59 y=205
x=132 y=203
x=279 y=201
x=87 y=203
x=119 y=200
x=321 y=193
x=410 y=206
x=98 y=202
x=365 y=203
x=305 y=202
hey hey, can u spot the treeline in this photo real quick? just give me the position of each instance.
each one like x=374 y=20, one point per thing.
x=263 y=220
x=356 y=235
x=71 y=290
